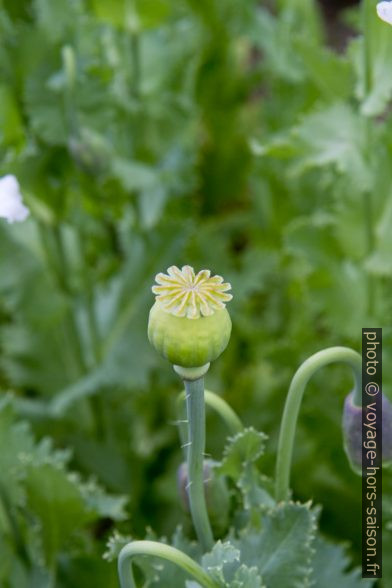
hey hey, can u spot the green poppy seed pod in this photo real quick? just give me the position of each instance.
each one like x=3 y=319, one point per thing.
x=216 y=493
x=189 y=324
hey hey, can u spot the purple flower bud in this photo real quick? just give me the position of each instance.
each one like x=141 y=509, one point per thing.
x=216 y=493
x=352 y=431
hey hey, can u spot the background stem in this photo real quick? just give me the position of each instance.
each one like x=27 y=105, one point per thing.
x=368 y=13
x=196 y=447
x=293 y=403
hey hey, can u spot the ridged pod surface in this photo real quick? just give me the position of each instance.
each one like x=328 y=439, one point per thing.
x=189 y=342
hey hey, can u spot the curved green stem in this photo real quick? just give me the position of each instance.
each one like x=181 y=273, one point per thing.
x=293 y=403
x=228 y=415
x=196 y=447
x=166 y=552
x=224 y=410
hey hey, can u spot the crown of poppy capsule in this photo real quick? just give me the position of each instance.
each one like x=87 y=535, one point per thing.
x=189 y=323
x=183 y=293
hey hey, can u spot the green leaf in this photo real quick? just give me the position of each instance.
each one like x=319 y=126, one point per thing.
x=247 y=446
x=147 y=13
x=374 y=87
x=256 y=489
x=216 y=561
x=311 y=239
x=134 y=175
x=282 y=551
x=39 y=313
x=151 y=205
x=330 y=565
x=331 y=73
x=10 y=120
x=273 y=36
x=15 y=440
x=115 y=544
x=304 y=16
x=101 y=503
x=59 y=506
x=333 y=136
x=56 y=17
x=247 y=578
x=379 y=263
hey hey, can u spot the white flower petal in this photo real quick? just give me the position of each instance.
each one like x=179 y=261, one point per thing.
x=11 y=203
x=384 y=11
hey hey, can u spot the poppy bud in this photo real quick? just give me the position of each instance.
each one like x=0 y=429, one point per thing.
x=216 y=493
x=352 y=431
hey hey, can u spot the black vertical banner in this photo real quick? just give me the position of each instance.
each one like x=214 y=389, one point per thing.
x=372 y=453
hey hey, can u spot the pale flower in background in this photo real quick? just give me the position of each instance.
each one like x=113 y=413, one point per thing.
x=11 y=202
x=384 y=11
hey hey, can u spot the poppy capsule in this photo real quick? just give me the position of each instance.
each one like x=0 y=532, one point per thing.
x=189 y=324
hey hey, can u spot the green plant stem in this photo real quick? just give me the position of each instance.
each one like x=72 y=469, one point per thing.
x=12 y=523
x=368 y=10
x=69 y=67
x=293 y=403
x=53 y=247
x=133 y=28
x=89 y=300
x=196 y=447
x=162 y=551
x=57 y=260
x=96 y=401
x=224 y=410
x=63 y=272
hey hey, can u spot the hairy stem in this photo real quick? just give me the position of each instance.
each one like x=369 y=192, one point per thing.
x=162 y=551
x=224 y=410
x=196 y=447
x=293 y=403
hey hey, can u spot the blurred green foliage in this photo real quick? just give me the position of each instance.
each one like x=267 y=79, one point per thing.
x=223 y=134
